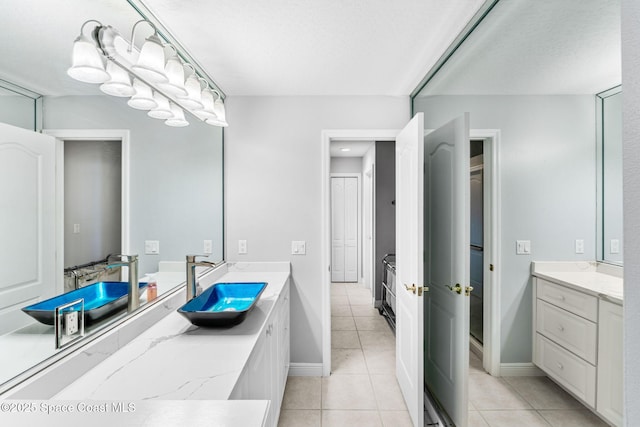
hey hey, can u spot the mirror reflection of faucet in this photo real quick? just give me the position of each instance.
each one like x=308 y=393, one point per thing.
x=192 y=284
x=130 y=261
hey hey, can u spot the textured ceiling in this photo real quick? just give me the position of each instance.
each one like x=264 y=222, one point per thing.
x=538 y=47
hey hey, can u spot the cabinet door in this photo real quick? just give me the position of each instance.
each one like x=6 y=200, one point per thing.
x=609 y=402
x=259 y=369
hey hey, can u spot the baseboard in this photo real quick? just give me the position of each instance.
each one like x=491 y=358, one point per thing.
x=520 y=370
x=305 y=369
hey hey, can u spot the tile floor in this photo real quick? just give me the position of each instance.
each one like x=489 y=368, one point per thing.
x=362 y=389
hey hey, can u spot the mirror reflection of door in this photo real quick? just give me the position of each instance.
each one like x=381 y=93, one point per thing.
x=476 y=248
x=344 y=229
x=92 y=209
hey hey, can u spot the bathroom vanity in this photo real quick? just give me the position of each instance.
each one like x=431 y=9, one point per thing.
x=171 y=359
x=577 y=322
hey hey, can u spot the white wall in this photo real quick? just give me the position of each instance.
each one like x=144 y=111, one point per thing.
x=631 y=167
x=273 y=188
x=17 y=111
x=547 y=180
x=176 y=175
x=346 y=165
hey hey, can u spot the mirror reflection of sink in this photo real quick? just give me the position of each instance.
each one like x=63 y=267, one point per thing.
x=101 y=299
x=223 y=304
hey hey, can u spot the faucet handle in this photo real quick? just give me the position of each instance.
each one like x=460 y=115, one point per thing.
x=192 y=258
x=121 y=257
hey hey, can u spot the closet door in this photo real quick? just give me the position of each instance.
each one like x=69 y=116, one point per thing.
x=344 y=229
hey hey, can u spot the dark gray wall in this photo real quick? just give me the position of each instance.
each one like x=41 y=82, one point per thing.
x=385 y=228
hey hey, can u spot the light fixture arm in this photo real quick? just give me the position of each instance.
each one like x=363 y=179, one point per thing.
x=86 y=22
x=133 y=32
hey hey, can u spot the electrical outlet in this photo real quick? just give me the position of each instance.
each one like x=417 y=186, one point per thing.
x=70 y=323
x=614 y=246
x=579 y=246
x=242 y=247
x=76 y=228
x=208 y=247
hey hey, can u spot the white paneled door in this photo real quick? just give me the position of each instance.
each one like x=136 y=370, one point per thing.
x=27 y=222
x=409 y=266
x=344 y=229
x=446 y=226
x=432 y=266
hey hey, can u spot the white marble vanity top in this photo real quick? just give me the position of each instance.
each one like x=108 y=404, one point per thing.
x=175 y=360
x=594 y=278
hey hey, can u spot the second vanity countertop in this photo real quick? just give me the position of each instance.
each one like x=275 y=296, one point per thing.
x=175 y=360
x=593 y=278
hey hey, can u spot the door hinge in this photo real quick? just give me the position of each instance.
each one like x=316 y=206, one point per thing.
x=490 y=267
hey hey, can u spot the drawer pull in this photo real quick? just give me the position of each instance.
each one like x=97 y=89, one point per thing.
x=560 y=297
x=561 y=328
x=560 y=365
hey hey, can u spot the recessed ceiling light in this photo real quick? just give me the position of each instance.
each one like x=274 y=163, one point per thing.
x=345 y=149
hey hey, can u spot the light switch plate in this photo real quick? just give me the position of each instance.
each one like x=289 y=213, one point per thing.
x=298 y=247
x=523 y=247
x=614 y=246
x=151 y=247
x=208 y=247
x=242 y=247
x=579 y=246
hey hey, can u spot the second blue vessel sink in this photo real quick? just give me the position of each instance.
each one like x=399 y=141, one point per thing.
x=223 y=304
x=100 y=300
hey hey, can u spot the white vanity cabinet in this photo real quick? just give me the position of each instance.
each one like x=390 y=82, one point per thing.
x=577 y=338
x=265 y=374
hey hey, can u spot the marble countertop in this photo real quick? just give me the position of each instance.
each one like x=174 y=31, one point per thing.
x=589 y=277
x=175 y=360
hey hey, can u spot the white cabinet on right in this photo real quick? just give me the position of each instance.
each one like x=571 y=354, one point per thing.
x=609 y=392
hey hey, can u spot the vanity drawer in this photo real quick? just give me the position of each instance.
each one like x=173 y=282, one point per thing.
x=578 y=376
x=572 y=332
x=576 y=302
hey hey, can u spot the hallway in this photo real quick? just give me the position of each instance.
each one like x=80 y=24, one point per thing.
x=362 y=389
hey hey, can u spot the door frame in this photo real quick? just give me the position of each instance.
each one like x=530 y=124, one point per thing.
x=326 y=136
x=63 y=135
x=492 y=308
x=358 y=177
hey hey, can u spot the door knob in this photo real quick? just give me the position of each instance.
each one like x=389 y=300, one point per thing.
x=411 y=288
x=467 y=290
x=457 y=288
x=414 y=288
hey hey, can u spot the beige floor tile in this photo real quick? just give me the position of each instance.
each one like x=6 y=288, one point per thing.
x=338 y=289
x=475 y=364
x=396 y=419
x=380 y=361
x=351 y=419
x=300 y=418
x=345 y=339
x=514 y=418
x=372 y=324
x=358 y=290
x=340 y=310
x=487 y=393
x=377 y=340
x=348 y=361
x=476 y=420
x=342 y=323
x=542 y=393
x=347 y=392
x=388 y=394
x=365 y=311
x=360 y=299
x=572 y=418
x=339 y=299
x=302 y=393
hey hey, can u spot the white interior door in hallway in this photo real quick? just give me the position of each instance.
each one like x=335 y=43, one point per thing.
x=344 y=229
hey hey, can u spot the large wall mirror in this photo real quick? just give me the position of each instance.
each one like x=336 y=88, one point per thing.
x=125 y=183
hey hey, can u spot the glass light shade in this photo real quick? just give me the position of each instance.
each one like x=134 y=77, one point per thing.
x=163 y=110
x=208 y=111
x=218 y=107
x=120 y=82
x=143 y=98
x=150 y=65
x=175 y=73
x=193 y=100
x=87 y=65
x=178 y=119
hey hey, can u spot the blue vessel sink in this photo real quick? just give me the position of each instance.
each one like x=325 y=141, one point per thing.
x=223 y=304
x=101 y=299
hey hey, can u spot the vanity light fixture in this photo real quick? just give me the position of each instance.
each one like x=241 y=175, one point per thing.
x=153 y=82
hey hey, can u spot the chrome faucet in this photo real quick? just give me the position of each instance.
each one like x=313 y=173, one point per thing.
x=130 y=261
x=191 y=274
